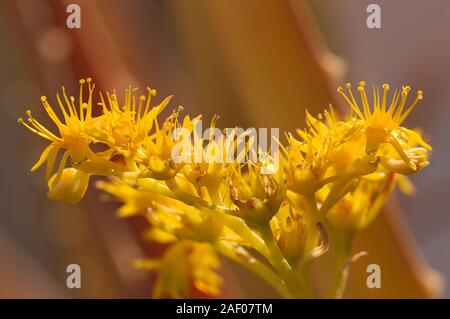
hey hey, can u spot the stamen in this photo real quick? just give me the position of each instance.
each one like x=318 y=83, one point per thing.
x=419 y=97
x=393 y=102
x=141 y=103
x=134 y=100
x=383 y=103
x=61 y=106
x=115 y=101
x=82 y=81
x=405 y=91
x=72 y=103
x=151 y=92
x=40 y=127
x=91 y=87
x=104 y=108
x=350 y=91
x=364 y=100
x=72 y=111
x=396 y=144
x=354 y=106
x=21 y=121
x=375 y=98
x=50 y=112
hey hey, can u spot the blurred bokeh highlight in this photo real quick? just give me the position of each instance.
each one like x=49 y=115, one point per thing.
x=254 y=63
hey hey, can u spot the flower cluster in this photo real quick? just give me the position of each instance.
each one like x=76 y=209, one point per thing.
x=334 y=176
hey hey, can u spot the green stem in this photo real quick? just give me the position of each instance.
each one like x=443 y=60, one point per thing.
x=282 y=266
x=342 y=243
x=266 y=246
x=222 y=215
x=303 y=271
x=257 y=268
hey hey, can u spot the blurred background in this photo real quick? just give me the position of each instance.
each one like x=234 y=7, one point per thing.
x=254 y=63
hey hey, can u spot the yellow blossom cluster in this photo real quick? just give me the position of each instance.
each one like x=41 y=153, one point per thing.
x=334 y=176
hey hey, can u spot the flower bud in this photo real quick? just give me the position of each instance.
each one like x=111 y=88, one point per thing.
x=71 y=186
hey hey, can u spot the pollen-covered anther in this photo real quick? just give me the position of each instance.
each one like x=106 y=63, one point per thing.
x=406 y=89
x=420 y=94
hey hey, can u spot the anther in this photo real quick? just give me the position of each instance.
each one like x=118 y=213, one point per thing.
x=43 y=98
x=20 y=120
x=82 y=81
x=420 y=94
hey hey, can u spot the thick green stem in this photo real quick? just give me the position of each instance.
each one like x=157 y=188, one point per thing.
x=282 y=266
x=303 y=272
x=342 y=244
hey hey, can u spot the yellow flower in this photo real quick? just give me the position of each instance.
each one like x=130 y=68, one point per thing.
x=382 y=123
x=185 y=265
x=333 y=179
x=256 y=196
x=123 y=127
x=208 y=173
x=361 y=205
x=296 y=233
x=168 y=214
x=306 y=164
x=156 y=153
x=74 y=139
